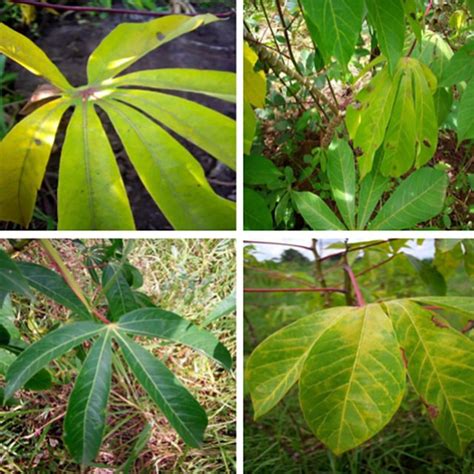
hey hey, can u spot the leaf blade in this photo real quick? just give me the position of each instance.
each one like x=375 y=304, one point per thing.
x=51 y=346
x=84 y=423
x=25 y=52
x=188 y=202
x=181 y=409
x=218 y=84
x=24 y=153
x=91 y=193
x=353 y=379
x=11 y=278
x=154 y=322
x=316 y=212
x=210 y=130
x=418 y=198
x=128 y=42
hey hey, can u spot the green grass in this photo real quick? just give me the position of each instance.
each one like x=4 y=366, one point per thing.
x=188 y=277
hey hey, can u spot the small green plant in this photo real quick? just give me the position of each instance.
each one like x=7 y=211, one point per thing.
x=105 y=339
x=91 y=193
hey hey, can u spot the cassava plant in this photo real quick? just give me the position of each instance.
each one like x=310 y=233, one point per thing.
x=386 y=80
x=352 y=363
x=91 y=192
x=105 y=336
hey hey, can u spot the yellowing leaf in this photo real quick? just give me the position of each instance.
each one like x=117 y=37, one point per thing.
x=91 y=193
x=24 y=154
x=169 y=172
x=22 y=50
x=440 y=362
x=368 y=118
x=353 y=379
x=219 y=84
x=128 y=42
x=206 y=128
x=400 y=139
x=255 y=83
x=276 y=364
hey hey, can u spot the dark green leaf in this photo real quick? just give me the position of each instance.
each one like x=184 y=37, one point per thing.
x=41 y=353
x=154 y=322
x=86 y=412
x=432 y=278
x=53 y=285
x=460 y=67
x=11 y=278
x=181 y=409
x=256 y=213
x=260 y=170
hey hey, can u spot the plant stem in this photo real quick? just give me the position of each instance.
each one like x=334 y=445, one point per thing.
x=122 y=11
x=318 y=270
x=373 y=267
x=293 y=290
x=355 y=285
x=278 y=243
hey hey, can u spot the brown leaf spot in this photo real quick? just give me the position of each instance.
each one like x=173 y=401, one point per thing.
x=37 y=141
x=426 y=143
x=432 y=411
x=404 y=357
x=160 y=36
x=441 y=324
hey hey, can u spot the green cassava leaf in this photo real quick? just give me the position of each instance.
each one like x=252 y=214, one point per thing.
x=219 y=84
x=224 y=307
x=53 y=285
x=388 y=20
x=7 y=318
x=84 y=423
x=91 y=193
x=23 y=51
x=154 y=322
x=372 y=188
x=118 y=292
x=276 y=364
x=6 y=359
x=400 y=139
x=339 y=23
x=24 y=153
x=11 y=278
x=342 y=178
x=460 y=67
x=353 y=379
x=432 y=278
x=181 y=409
x=129 y=42
x=316 y=212
x=368 y=118
x=443 y=378
x=41 y=353
x=169 y=172
x=466 y=113
x=260 y=170
x=196 y=123
x=417 y=199
x=256 y=213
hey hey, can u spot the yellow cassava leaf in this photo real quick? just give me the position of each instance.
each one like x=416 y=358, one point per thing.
x=23 y=51
x=255 y=84
x=91 y=193
x=24 y=154
x=128 y=42
x=219 y=84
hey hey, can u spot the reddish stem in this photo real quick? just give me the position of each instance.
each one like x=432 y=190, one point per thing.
x=428 y=8
x=373 y=267
x=293 y=290
x=355 y=285
x=122 y=11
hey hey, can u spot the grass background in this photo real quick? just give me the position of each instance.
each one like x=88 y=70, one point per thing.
x=188 y=277
x=280 y=441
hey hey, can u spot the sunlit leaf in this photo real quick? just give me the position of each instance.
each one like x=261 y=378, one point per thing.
x=316 y=212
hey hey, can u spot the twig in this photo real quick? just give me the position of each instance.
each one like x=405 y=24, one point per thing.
x=318 y=270
x=293 y=290
x=122 y=11
x=280 y=275
x=278 y=243
x=355 y=285
x=373 y=267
